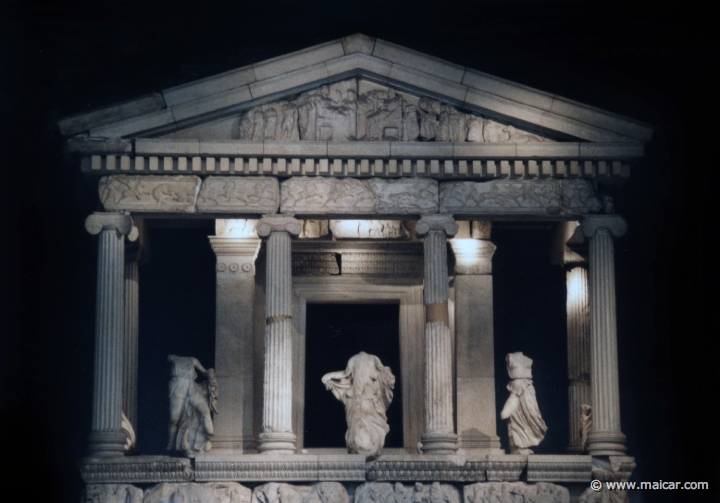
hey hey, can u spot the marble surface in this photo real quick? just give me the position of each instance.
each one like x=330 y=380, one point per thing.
x=192 y=406
x=365 y=387
x=526 y=428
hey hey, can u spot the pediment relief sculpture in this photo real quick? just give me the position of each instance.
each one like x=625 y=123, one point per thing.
x=360 y=110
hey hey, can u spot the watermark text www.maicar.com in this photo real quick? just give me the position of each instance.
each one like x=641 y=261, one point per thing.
x=659 y=485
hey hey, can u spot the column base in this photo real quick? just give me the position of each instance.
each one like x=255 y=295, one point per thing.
x=606 y=443
x=439 y=443
x=573 y=449
x=106 y=443
x=234 y=445
x=277 y=442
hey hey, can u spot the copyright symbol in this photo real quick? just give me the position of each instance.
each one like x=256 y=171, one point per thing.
x=596 y=485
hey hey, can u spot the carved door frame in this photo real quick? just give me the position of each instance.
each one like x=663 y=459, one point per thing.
x=348 y=290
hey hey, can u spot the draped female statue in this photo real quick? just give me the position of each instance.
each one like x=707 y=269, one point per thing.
x=191 y=406
x=526 y=427
x=366 y=389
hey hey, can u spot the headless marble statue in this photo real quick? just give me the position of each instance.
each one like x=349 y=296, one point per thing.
x=526 y=427
x=366 y=389
x=191 y=406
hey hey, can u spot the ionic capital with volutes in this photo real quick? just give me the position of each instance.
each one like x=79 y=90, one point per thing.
x=100 y=221
x=445 y=223
x=614 y=224
x=278 y=223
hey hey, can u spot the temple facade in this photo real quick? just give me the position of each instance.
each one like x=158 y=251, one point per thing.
x=356 y=171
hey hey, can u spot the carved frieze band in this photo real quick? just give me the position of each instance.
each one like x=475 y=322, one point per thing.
x=566 y=197
x=382 y=492
x=377 y=263
x=249 y=194
x=149 y=193
x=344 y=468
x=348 y=196
x=368 y=229
x=560 y=468
x=136 y=469
x=315 y=264
x=507 y=467
x=353 y=468
x=313 y=196
x=490 y=492
x=442 y=468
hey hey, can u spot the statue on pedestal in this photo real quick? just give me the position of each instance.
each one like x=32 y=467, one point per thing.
x=192 y=405
x=526 y=427
x=366 y=389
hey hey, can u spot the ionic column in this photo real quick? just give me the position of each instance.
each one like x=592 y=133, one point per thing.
x=605 y=438
x=133 y=252
x=106 y=437
x=474 y=340
x=439 y=436
x=578 y=345
x=277 y=436
x=234 y=301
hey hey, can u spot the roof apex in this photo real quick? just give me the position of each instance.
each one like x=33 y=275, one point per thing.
x=354 y=55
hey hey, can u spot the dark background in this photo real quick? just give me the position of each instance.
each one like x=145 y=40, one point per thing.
x=651 y=61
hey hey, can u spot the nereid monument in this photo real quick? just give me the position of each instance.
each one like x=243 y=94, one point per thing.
x=356 y=172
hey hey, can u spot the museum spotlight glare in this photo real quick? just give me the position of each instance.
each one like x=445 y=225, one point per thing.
x=468 y=250
x=346 y=227
x=576 y=286
x=236 y=228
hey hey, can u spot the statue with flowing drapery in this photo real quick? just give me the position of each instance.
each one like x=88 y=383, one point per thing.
x=366 y=388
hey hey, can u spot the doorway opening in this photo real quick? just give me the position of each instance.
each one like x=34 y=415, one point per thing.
x=335 y=333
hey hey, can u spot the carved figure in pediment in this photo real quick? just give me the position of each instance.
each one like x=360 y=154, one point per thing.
x=526 y=427
x=382 y=112
x=411 y=127
x=192 y=405
x=258 y=119
x=246 y=127
x=327 y=114
x=366 y=389
x=523 y=136
x=270 y=118
x=289 y=129
x=430 y=110
x=475 y=130
x=495 y=132
x=452 y=125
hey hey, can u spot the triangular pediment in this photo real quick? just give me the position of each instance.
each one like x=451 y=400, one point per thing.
x=357 y=88
x=358 y=109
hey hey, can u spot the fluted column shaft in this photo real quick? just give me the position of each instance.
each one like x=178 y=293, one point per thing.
x=605 y=437
x=439 y=436
x=106 y=436
x=277 y=435
x=130 y=346
x=578 y=344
